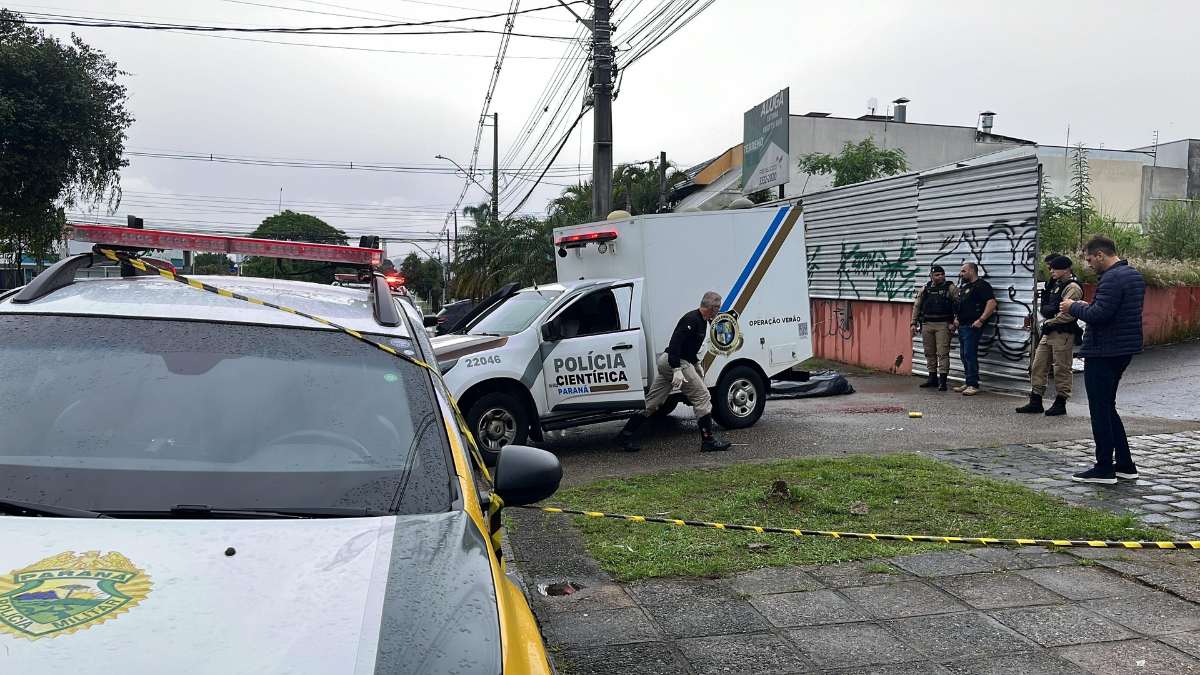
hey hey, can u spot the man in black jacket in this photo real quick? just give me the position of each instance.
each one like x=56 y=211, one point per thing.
x=679 y=366
x=1058 y=330
x=1114 y=335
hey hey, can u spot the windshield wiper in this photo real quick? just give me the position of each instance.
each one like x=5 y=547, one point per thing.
x=16 y=507
x=205 y=511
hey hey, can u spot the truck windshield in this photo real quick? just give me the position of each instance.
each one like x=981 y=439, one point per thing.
x=514 y=314
x=143 y=414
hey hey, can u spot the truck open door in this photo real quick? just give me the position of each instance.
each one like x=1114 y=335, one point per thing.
x=593 y=351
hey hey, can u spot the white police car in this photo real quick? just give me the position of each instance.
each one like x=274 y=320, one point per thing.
x=198 y=483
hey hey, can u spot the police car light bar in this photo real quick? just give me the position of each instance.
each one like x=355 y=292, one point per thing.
x=575 y=240
x=208 y=243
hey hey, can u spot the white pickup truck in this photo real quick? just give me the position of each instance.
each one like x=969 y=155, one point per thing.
x=582 y=350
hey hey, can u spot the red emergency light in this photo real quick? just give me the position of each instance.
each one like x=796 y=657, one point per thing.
x=584 y=238
x=208 y=243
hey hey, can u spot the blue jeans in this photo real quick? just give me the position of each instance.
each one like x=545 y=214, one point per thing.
x=1101 y=375
x=968 y=353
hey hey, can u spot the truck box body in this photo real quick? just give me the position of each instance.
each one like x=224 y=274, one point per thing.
x=754 y=258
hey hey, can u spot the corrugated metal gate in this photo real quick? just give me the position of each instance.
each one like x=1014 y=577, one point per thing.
x=862 y=239
x=986 y=214
x=875 y=242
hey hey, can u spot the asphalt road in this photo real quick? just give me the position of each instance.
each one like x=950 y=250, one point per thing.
x=1158 y=395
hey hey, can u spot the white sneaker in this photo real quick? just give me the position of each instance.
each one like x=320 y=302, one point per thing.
x=959 y=388
x=969 y=391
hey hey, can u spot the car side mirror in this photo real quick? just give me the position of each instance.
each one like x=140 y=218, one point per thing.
x=551 y=332
x=431 y=321
x=526 y=475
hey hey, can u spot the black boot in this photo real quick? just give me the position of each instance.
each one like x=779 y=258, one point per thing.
x=1034 y=405
x=942 y=382
x=709 y=440
x=930 y=383
x=1059 y=407
x=629 y=435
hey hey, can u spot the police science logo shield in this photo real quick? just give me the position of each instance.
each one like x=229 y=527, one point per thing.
x=724 y=334
x=67 y=592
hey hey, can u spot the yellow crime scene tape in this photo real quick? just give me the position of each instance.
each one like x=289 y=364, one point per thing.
x=874 y=536
x=496 y=504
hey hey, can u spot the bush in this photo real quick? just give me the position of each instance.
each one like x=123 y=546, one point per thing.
x=1158 y=273
x=1174 y=231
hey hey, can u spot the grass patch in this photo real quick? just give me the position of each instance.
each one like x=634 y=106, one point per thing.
x=904 y=494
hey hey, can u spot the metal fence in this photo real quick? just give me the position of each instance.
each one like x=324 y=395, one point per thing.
x=876 y=241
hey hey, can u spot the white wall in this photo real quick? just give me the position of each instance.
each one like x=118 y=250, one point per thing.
x=925 y=145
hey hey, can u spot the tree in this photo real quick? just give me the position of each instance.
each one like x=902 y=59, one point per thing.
x=62 y=134
x=1079 y=201
x=426 y=278
x=491 y=254
x=292 y=226
x=857 y=162
x=211 y=263
x=635 y=189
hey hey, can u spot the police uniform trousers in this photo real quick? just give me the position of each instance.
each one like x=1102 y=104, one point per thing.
x=935 y=335
x=1056 y=348
x=693 y=387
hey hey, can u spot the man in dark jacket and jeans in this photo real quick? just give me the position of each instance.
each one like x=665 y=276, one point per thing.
x=1114 y=335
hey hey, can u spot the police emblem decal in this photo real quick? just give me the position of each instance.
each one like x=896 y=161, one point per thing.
x=67 y=592
x=724 y=333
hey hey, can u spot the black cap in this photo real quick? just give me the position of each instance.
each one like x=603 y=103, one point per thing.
x=1060 y=262
x=937 y=269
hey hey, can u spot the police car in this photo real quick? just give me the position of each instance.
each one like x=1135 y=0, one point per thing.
x=201 y=482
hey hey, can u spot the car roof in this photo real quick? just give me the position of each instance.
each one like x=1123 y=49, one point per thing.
x=566 y=286
x=159 y=298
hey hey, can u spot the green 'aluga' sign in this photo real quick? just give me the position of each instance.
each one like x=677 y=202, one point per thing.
x=765 y=158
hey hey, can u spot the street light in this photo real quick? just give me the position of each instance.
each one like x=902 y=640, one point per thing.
x=465 y=173
x=444 y=266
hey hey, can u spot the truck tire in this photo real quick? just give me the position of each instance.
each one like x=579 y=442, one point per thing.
x=740 y=397
x=498 y=419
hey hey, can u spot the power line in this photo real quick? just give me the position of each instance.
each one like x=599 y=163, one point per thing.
x=362 y=49
x=483 y=113
x=86 y=22
x=347 y=165
x=558 y=150
x=153 y=25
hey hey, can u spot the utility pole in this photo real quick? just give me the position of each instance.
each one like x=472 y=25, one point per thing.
x=496 y=167
x=602 y=149
x=455 y=234
x=662 y=182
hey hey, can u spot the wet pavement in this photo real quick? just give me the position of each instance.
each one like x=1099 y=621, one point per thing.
x=875 y=420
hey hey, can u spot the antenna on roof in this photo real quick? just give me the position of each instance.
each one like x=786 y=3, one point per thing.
x=872 y=104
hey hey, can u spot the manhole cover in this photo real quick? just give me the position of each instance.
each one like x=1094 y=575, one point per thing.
x=559 y=588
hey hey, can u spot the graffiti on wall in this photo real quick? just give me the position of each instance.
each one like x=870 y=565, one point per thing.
x=861 y=267
x=1018 y=247
x=834 y=320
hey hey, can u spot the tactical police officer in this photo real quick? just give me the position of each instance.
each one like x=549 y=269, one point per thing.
x=933 y=313
x=679 y=366
x=1059 y=331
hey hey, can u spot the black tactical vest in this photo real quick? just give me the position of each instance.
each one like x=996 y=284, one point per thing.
x=1052 y=297
x=937 y=305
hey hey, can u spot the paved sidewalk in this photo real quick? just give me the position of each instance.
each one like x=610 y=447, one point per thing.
x=955 y=611
x=1167 y=495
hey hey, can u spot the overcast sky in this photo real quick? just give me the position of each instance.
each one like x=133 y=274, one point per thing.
x=1113 y=71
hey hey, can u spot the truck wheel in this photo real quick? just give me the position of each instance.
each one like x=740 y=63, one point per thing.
x=739 y=398
x=497 y=419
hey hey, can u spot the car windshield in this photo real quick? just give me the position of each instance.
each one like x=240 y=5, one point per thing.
x=136 y=414
x=514 y=314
